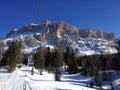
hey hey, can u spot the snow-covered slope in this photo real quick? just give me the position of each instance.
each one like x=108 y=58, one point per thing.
x=60 y=34
x=21 y=79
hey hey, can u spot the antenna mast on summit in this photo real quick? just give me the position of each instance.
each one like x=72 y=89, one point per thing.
x=38 y=11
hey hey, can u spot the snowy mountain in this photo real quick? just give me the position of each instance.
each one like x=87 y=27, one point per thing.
x=61 y=34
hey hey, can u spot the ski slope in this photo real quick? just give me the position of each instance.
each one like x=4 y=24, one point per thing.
x=46 y=82
x=13 y=81
x=21 y=79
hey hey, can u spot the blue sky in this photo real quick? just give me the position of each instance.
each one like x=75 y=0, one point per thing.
x=102 y=15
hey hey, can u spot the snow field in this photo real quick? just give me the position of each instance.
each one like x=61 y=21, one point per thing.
x=21 y=79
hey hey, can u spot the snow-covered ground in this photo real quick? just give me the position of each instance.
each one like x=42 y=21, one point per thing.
x=21 y=79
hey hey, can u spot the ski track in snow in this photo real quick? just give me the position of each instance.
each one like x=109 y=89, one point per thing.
x=14 y=81
x=23 y=80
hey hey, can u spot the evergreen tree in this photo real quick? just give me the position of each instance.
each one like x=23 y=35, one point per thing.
x=84 y=69
x=32 y=71
x=115 y=62
x=72 y=66
x=25 y=59
x=118 y=46
x=39 y=60
x=103 y=62
x=11 y=56
x=89 y=66
x=117 y=57
x=48 y=57
x=79 y=60
x=67 y=55
x=57 y=63
x=2 y=49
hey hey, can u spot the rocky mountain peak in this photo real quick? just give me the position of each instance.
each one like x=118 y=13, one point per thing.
x=60 y=28
x=60 y=34
x=46 y=22
x=91 y=33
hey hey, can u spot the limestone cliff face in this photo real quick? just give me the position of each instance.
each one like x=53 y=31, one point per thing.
x=61 y=34
x=58 y=29
x=90 y=33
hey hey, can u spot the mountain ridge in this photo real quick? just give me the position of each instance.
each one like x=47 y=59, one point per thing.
x=61 y=34
x=62 y=25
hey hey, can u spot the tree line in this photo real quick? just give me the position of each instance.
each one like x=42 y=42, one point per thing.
x=53 y=60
